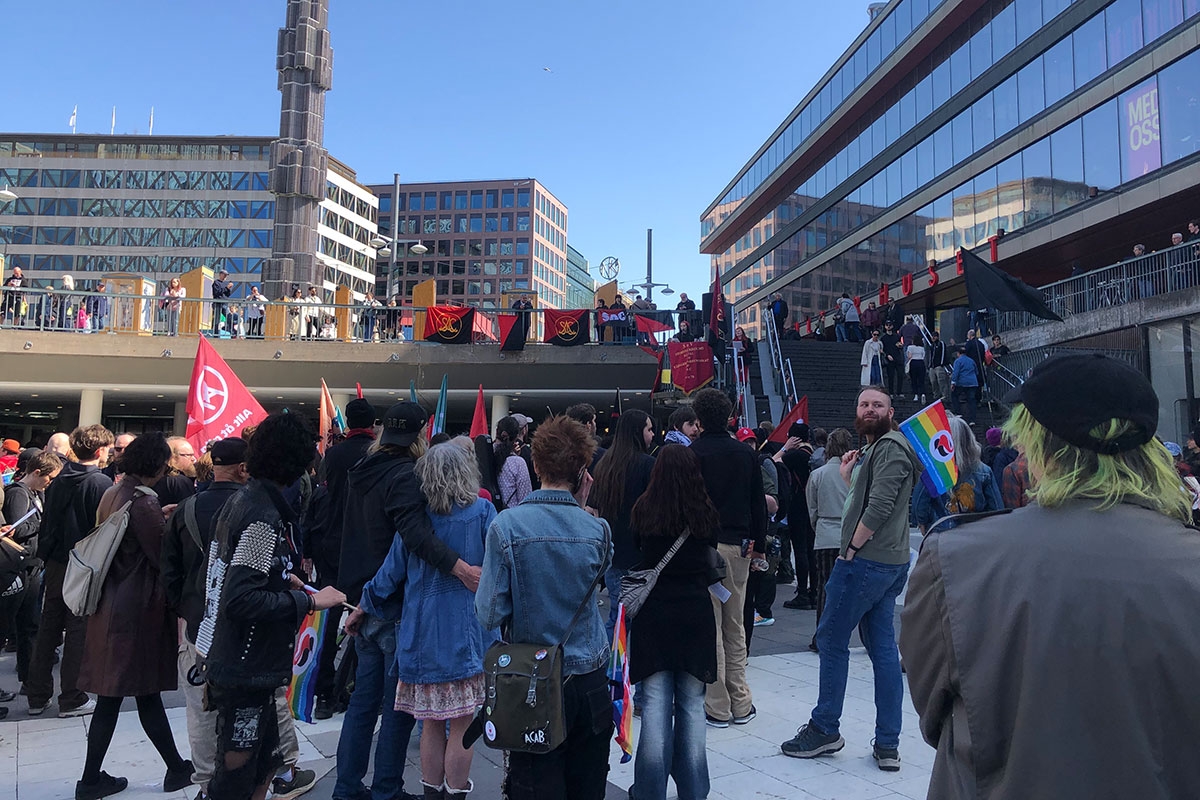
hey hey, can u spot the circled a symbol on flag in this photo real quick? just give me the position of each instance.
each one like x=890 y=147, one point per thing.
x=449 y=325
x=567 y=329
x=212 y=394
x=304 y=651
x=941 y=446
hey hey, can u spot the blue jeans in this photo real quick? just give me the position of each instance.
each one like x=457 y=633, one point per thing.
x=840 y=331
x=374 y=689
x=854 y=329
x=672 y=738
x=861 y=591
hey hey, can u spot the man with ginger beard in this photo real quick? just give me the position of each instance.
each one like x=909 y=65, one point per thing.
x=866 y=579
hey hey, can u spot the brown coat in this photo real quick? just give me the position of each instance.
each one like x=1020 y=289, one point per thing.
x=1052 y=653
x=132 y=639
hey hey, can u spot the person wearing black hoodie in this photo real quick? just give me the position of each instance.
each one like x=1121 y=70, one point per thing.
x=324 y=544
x=69 y=515
x=384 y=501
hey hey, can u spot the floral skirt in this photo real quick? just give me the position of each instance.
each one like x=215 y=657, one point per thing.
x=441 y=700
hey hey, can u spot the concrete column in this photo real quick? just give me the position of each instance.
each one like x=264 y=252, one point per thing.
x=91 y=404
x=499 y=410
x=179 y=426
x=340 y=400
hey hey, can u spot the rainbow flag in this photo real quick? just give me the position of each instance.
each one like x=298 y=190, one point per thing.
x=622 y=691
x=302 y=691
x=929 y=433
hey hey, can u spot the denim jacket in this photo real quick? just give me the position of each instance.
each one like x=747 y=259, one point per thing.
x=541 y=557
x=437 y=638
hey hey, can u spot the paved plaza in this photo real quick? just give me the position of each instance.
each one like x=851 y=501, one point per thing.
x=41 y=758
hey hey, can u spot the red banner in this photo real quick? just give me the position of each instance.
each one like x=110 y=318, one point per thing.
x=647 y=324
x=218 y=405
x=449 y=324
x=566 y=328
x=512 y=332
x=691 y=365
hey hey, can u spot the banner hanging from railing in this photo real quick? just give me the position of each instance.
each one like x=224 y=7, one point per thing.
x=449 y=324
x=567 y=328
x=691 y=365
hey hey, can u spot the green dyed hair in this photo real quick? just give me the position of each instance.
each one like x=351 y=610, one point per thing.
x=1067 y=472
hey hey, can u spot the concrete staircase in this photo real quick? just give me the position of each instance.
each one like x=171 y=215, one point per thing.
x=828 y=373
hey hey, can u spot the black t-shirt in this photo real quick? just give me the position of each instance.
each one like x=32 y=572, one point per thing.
x=891 y=346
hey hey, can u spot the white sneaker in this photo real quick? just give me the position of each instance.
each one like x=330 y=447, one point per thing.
x=80 y=711
x=914 y=398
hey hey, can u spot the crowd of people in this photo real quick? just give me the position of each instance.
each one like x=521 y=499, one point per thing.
x=439 y=547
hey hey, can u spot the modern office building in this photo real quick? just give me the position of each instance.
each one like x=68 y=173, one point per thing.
x=1070 y=129
x=89 y=205
x=482 y=239
x=581 y=288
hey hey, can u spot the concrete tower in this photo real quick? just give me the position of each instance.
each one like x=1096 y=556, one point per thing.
x=298 y=158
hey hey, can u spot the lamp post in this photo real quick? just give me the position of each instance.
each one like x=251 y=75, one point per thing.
x=389 y=248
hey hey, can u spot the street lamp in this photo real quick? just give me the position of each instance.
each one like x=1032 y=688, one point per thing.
x=7 y=194
x=390 y=248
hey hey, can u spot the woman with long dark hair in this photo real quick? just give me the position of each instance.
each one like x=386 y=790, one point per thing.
x=673 y=639
x=512 y=474
x=132 y=639
x=622 y=475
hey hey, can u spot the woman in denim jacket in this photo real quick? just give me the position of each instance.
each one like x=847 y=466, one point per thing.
x=541 y=559
x=977 y=489
x=439 y=642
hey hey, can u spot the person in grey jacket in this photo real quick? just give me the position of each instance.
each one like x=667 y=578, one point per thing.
x=826 y=493
x=1051 y=650
x=866 y=579
x=539 y=563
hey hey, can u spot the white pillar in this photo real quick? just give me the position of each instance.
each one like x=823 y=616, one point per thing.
x=91 y=403
x=499 y=410
x=179 y=426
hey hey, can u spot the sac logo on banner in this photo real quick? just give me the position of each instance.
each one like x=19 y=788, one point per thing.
x=449 y=324
x=691 y=365
x=566 y=328
x=218 y=405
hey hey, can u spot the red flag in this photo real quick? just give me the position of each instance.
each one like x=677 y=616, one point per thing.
x=218 y=405
x=479 y=424
x=358 y=389
x=658 y=355
x=691 y=365
x=799 y=413
x=512 y=332
x=566 y=328
x=716 y=321
x=449 y=324
x=649 y=325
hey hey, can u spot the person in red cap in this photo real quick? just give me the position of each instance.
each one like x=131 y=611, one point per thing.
x=8 y=459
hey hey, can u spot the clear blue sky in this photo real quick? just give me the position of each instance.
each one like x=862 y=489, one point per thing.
x=650 y=107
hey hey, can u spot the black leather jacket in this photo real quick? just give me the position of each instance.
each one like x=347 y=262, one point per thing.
x=251 y=615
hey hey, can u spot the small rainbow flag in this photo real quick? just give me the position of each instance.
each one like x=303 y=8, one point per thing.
x=622 y=691
x=929 y=433
x=302 y=691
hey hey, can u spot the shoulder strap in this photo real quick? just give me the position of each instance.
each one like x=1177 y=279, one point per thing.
x=595 y=582
x=191 y=523
x=662 y=564
x=963 y=519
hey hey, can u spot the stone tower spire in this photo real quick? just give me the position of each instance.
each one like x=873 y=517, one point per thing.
x=298 y=157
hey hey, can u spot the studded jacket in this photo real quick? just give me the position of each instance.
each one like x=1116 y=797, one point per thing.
x=251 y=615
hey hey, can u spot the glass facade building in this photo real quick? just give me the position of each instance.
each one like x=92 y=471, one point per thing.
x=484 y=239
x=581 y=289
x=987 y=118
x=89 y=205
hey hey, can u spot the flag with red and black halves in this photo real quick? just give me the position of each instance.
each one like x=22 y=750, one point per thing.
x=449 y=324
x=512 y=332
x=566 y=328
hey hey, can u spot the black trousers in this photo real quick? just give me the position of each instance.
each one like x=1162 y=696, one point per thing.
x=893 y=373
x=247 y=740
x=802 y=536
x=21 y=613
x=57 y=622
x=578 y=768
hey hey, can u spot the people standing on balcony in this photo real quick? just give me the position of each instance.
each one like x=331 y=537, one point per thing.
x=14 y=302
x=294 y=316
x=173 y=304
x=523 y=307
x=872 y=361
x=255 y=310
x=745 y=348
x=779 y=311
x=893 y=360
x=914 y=365
x=222 y=288
x=69 y=305
x=684 y=334
x=391 y=320
x=312 y=314
x=370 y=310
x=964 y=385
x=98 y=307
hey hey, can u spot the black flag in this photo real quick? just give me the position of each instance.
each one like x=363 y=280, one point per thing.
x=989 y=286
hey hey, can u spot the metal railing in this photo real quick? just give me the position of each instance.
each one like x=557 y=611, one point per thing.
x=80 y=312
x=1163 y=272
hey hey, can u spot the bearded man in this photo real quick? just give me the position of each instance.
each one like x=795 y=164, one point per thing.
x=867 y=577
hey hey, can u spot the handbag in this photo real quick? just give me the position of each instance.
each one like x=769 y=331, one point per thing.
x=637 y=584
x=523 y=708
